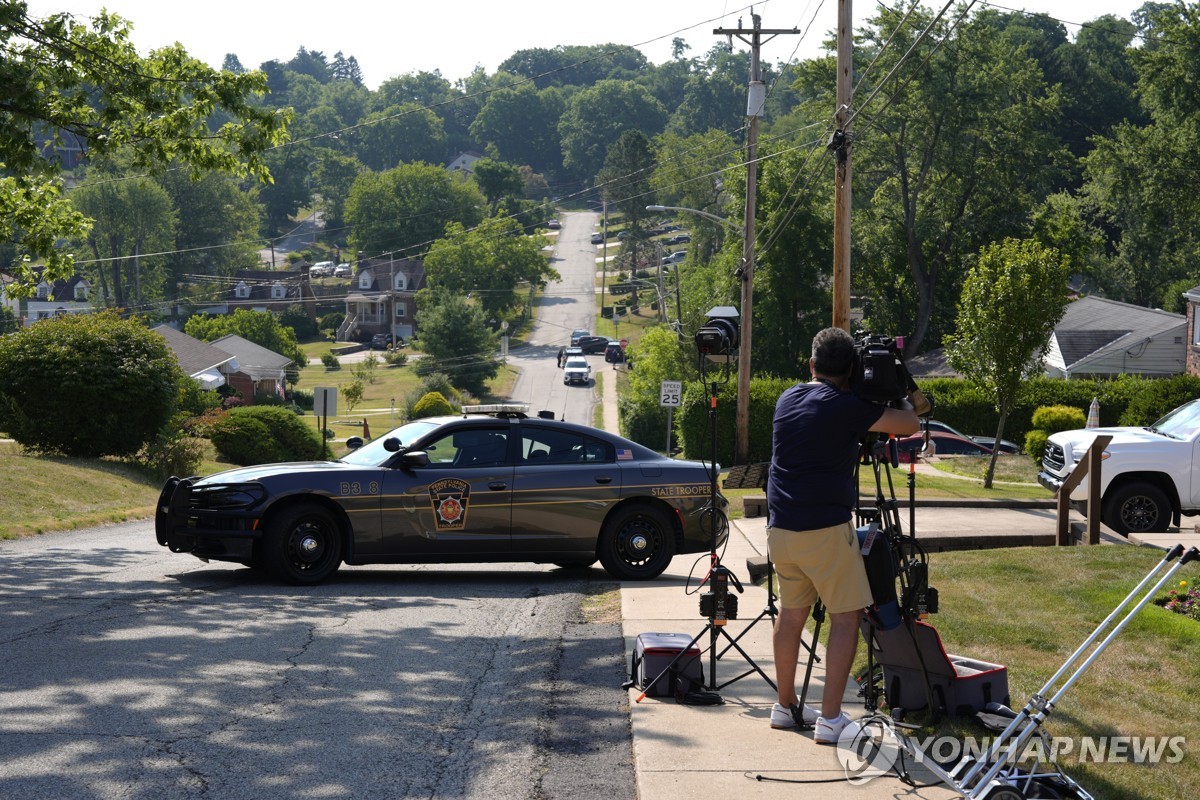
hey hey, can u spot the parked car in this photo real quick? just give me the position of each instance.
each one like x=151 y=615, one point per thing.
x=614 y=353
x=343 y=271
x=321 y=269
x=577 y=370
x=381 y=341
x=678 y=257
x=592 y=344
x=941 y=444
x=597 y=238
x=576 y=334
x=553 y=224
x=474 y=487
x=987 y=441
x=679 y=238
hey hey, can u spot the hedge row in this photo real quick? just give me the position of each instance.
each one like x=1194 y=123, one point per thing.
x=1127 y=400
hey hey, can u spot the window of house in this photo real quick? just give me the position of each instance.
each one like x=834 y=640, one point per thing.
x=401 y=310
x=81 y=291
x=364 y=279
x=241 y=291
x=43 y=290
x=278 y=292
x=399 y=283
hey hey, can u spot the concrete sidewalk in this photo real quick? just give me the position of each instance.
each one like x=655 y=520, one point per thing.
x=730 y=750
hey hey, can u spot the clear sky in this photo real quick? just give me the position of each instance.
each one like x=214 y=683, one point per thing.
x=454 y=36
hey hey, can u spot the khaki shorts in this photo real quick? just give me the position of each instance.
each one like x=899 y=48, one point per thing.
x=825 y=563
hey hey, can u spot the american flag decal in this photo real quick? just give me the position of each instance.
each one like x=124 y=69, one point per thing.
x=624 y=455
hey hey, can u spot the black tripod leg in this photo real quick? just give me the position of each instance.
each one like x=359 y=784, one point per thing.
x=818 y=615
x=753 y=666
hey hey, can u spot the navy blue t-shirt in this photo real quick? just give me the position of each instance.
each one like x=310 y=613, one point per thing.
x=817 y=433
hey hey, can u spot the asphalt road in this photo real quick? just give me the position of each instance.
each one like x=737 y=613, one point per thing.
x=130 y=672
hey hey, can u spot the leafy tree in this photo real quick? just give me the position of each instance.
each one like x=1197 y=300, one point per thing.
x=597 y=116
x=353 y=392
x=1012 y=298
x=522 y=124
x=210 y=210
x=291 y=188
x=87 y=385
x=408 y=207
x=249 y=435
x=497 y=179
x=88 y=81
x=489 y=262
x=333 y=176
x=456 y=339
x=625 y=184
x=400 y=134
x=261 y=327
x=130 y=217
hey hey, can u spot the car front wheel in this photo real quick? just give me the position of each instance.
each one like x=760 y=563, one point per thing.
x=635 y=544
x=302 y=545
x=1137 y=507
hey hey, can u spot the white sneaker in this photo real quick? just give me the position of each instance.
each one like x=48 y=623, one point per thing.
x=841 y=727
x=783 y=717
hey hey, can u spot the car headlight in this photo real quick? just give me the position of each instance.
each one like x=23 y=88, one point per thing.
x=228 y=496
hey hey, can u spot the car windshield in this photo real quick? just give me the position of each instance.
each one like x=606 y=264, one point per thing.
x=1182 y=423
x=577 y=363
x=374 y=453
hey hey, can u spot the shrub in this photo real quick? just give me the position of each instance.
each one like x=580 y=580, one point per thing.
x=302 y=398
x=263 y=435
x=87 y=385
x=331 y=361
x=432 y=404
x=353 y=393
x=395 y=358
x=1159 y=397
x=1035 y=444
x=332 y=321
x=172 y=452
x=1053 y=419
x=296 y=318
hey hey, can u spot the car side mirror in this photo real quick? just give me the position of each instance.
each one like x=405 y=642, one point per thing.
x=355 y=442
x=416 y=458
x=391 y=444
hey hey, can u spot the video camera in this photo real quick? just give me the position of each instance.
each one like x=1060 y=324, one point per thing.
x=880 y=375
x=717 y=340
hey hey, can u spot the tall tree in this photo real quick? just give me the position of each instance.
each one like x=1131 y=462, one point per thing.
x=497 y=180
x=407 y=208
x=1012 y=298
x=522 y=124
x=597 y=116
x=401 y=134
x=456 y=340
x=65 y=77
x=489 y=262
x=133 y=220
x=261 y=327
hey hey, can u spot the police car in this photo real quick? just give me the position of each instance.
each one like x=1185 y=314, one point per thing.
x=490 y=485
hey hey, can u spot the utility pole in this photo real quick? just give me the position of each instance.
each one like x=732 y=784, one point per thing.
x=756 y=99
x=839 y=143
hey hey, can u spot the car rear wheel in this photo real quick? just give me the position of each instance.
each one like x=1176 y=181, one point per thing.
x=302 y=545
x=635 y=544
x=1137 y=507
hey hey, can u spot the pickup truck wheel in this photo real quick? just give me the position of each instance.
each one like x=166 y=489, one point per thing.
x=1138 y=507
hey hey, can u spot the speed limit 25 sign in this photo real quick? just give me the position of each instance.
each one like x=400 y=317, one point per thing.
x=671 y=394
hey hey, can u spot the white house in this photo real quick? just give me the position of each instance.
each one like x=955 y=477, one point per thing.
x=1099 y=337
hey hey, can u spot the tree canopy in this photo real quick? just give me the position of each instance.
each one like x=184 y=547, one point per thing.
x=64 y=78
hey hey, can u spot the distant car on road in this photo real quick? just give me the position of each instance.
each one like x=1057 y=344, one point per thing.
x=679 y=238
x=381 y=341
x=942 y=444
x=321 y=269
x=597 y=238
x=987 y=441
x=678 y=257
x=576 y=334
x=592 y=344
x=614 y=353
x=553 y=224
x=343 y=271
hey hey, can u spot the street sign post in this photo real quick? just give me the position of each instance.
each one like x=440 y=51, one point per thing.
x=671 y=396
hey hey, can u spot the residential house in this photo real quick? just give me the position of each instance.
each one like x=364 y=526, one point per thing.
x=1100 y=337
x=69 y=296
x=13 y=304
x=200 y=360
x=382 y=299
x=257 y=370
x=464 y=162
x=1192 y=358
x=265 y=290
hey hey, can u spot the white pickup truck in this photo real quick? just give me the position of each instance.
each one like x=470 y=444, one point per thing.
x=1148 y=476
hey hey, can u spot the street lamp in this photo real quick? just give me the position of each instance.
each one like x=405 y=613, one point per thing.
x=745 y=274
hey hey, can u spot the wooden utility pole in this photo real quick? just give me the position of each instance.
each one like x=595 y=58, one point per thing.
x=756 y=99
x=840 y=145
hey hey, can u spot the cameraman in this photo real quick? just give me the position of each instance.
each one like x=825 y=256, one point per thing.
x=818 y=432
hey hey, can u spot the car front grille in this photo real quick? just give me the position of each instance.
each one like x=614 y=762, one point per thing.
x=1055 y=458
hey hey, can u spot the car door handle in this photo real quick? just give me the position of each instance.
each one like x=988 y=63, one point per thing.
x=603 y=479
x=497 y=486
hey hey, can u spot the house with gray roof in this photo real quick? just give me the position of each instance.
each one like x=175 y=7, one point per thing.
x=258 y=370
x=200 y=360
x=1101 y=337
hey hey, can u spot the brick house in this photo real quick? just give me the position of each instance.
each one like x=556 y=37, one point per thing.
x=382 y=299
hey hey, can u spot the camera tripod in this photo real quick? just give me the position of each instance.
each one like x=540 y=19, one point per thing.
x=718 y=605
